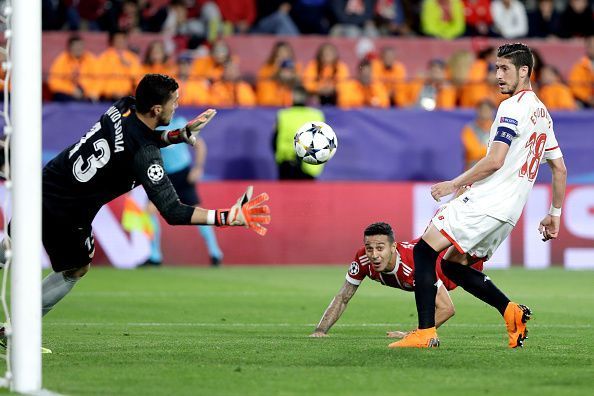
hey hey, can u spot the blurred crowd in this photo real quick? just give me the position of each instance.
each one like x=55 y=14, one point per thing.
x=381 y=80
x=448 y=19
x=192 y=47
x=200 y=19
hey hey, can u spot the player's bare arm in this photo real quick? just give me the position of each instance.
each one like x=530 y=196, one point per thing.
x=444 y=310
x=549 y=226
x=481 y=170
x=444 y=307
x=335 y=309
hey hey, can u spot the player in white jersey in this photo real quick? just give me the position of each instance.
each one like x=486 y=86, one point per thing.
x=475 y=223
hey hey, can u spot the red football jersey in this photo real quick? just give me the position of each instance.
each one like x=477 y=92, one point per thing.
x=402 y=276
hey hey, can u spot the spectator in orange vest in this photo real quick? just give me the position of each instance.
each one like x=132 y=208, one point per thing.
x=193 y=91
x=434 y=92
x=281 y=51
x=553 y=92
x=475 y=135
x=278 y=90
x=487 y=89
x=362 y=91
x=492 y=90
x=72 y=73
x=392 y=74
x=581 y=77
x=323 y=73
x=485 y=58
x=230 y=90
x=156 y=60
x=211 y=67
x=118 y=68
x=475 y=87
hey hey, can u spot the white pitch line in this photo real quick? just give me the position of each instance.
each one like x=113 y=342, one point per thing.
x=118 y=294
x=250 y=293
x=224 y=324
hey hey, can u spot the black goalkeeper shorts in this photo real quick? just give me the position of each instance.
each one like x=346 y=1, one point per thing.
x=68 y=246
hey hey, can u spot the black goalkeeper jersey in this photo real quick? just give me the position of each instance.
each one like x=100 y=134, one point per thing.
x=118 y=153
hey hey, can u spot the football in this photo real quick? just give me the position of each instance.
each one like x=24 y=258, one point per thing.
x=315 y=142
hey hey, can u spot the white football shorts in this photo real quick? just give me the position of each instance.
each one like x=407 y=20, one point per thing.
x=469 y=230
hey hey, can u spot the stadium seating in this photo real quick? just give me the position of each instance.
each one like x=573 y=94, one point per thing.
x=252 y=50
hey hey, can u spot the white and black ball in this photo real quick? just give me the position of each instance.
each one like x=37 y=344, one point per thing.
x=315 y=142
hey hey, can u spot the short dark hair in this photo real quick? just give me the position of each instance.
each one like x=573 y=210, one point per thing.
x=380 y=228
x=113 y=33
x=299 y=95
x=152 y=90
x=519 y=54
x=72 y=39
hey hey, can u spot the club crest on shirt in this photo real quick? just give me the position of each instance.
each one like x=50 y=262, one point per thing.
x=508 y=120
x=354 y=269
x=155 y=172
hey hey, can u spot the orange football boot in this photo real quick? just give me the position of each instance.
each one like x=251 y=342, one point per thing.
x=516 y=316
x=420 y=338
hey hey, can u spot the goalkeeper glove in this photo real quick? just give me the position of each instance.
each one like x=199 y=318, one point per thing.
x=189 y=133
x=247 y=212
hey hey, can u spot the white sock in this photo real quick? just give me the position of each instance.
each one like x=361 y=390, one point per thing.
x=53 y=288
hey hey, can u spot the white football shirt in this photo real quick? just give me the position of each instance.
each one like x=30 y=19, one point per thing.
x=524 y=123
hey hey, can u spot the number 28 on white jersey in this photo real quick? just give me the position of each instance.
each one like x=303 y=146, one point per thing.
x=524 y=123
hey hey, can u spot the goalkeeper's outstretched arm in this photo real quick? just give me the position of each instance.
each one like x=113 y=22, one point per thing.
x=247 y=211
x=189 y=133
x=335 y=309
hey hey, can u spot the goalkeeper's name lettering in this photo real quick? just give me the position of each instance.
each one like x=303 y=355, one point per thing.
x=116 y=117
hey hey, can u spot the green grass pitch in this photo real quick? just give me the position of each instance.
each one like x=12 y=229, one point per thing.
x=243 y=331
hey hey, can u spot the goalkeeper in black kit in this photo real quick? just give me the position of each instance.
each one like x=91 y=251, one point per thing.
x=118 y=153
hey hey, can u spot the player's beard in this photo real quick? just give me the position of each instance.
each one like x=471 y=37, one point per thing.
x=162 y=121
x=513 y=87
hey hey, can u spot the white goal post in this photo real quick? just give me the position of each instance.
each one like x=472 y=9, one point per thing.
x=24 y=63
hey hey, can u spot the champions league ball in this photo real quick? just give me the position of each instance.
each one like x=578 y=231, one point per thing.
x=315 y=142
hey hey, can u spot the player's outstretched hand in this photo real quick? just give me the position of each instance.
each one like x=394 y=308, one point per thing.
x=248 y=212
x=442 y=189
x=549 y=227
x=397 y=334
x=318 y=334
x=194 y=127
x=189 y=133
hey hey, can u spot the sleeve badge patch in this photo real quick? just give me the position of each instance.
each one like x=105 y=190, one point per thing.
x=354 y=269
x=508 y=120
x=155 y=172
